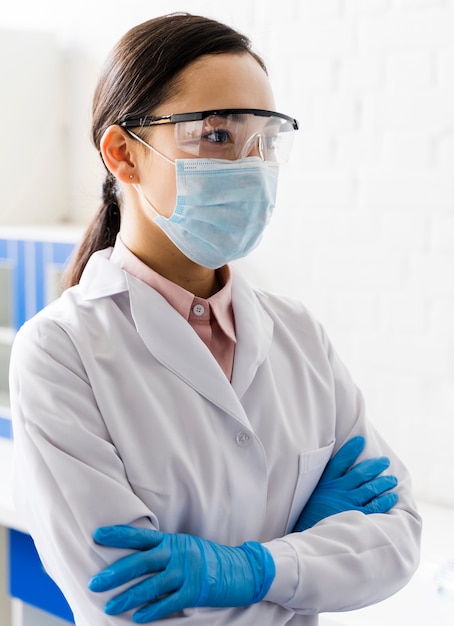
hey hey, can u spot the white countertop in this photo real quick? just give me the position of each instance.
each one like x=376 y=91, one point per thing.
x=61 y=233
x=418 y=604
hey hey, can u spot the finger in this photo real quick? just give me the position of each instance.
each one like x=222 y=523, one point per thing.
x=374 y=488
x=123 y=536
x=128 y=568
x=161 y=608
x=381 y=504
x=143 y=593
x=344 y=458
x=363 y=472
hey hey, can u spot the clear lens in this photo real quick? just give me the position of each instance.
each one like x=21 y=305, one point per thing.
x=236 y=136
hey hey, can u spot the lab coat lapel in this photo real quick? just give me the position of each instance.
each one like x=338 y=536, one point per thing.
x=254 y=332
x=174 y=343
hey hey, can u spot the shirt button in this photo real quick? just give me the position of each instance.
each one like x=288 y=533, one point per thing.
x=243 y=439
x=198 y=309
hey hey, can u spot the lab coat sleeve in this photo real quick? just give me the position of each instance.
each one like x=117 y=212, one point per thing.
x=349 y=560
x=68 y=478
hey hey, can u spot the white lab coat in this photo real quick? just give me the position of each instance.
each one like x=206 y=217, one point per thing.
x=122 y=415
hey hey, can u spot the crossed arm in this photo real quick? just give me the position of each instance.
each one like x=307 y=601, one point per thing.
x=186 y=571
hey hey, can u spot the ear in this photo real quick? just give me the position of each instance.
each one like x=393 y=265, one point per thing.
x=118 y=156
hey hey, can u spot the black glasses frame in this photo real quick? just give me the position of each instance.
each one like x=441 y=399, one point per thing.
x=174 y=118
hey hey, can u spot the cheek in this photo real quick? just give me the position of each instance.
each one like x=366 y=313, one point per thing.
x=160 y=187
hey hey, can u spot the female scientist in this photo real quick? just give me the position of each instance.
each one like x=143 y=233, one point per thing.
x=184 y=442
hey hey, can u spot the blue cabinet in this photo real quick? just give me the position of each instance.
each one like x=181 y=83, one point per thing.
x=30 y=271
x=31 y=267
x=29 y=581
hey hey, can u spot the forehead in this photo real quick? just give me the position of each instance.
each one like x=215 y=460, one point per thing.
x=221 y=81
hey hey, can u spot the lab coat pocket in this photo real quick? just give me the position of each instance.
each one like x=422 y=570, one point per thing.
x=310 y=467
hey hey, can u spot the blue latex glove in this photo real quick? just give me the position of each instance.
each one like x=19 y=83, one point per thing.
x=186 y=571
x=346 y=488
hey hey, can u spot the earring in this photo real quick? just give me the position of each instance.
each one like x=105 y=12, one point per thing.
x=131 y=176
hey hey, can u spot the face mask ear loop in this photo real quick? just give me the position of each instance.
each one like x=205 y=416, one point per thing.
x=137 y=187
x=147 y=145
x=147 y=202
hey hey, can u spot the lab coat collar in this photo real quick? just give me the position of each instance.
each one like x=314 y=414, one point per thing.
x=254 y=332
x=101 y=277
x=165 y=332
x=175 y=344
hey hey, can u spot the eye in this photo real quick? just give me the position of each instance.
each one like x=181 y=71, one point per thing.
x=219 y=136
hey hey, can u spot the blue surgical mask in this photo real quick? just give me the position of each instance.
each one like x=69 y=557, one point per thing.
x=222 y=207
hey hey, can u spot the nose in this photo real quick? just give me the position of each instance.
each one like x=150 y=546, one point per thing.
x=256 y=146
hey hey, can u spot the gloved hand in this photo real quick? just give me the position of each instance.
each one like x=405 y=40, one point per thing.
x=186 y=571
x=345 y=488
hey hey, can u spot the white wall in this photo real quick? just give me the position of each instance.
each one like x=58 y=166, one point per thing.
x=33 y=162
x=364 y=231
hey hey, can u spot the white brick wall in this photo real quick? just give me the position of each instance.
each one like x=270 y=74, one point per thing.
x=364 y=231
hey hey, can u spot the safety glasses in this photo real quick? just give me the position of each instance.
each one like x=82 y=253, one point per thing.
x=228 y=133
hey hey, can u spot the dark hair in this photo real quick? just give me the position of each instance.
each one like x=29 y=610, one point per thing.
x=141 y=72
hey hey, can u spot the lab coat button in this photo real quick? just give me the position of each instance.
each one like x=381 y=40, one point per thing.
x=198 y=309
x=243 y=439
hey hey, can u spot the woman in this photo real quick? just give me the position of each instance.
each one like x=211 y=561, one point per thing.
x=186 y=412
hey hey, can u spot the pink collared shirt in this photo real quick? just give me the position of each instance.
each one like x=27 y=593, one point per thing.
x=211 y=319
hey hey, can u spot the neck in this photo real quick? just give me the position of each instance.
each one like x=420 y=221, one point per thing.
x=158 y=252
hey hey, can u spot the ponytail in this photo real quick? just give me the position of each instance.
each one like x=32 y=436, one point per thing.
x=100 y=234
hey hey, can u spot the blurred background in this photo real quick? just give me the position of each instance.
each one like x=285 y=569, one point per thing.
x=363 y=232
